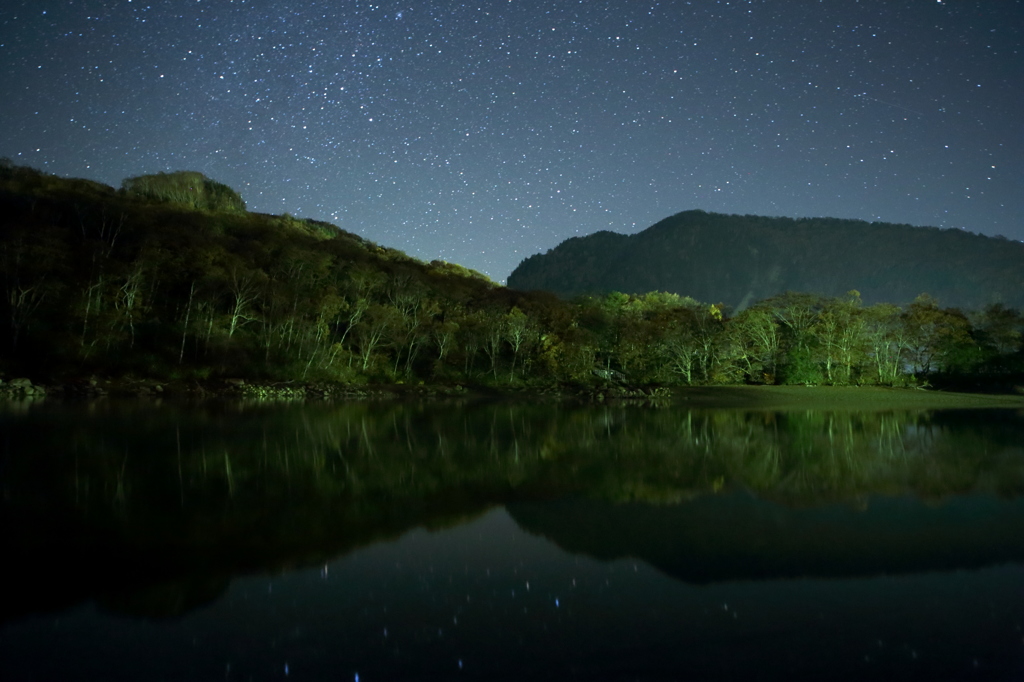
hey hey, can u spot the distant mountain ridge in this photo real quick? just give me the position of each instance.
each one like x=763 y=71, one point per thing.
x=738 y=260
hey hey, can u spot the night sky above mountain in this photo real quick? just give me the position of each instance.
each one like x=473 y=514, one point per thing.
x=481 y=133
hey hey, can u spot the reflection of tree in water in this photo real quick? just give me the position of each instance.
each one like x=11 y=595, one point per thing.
x=800 y=457
x=136 y=461
x=243 y=487
x=209 y=455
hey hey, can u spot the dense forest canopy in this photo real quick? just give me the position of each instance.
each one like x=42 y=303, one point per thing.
x=170 y=278
x=742 y=259
x=187 y=188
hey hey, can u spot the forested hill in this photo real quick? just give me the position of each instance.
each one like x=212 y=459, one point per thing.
x=738 y=260
x=170 y=276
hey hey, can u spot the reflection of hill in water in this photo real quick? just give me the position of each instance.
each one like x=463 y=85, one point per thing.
x=165 y=567
x=718 y=538
x=158 y=508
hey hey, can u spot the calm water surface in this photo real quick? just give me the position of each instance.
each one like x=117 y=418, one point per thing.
x=509 y=541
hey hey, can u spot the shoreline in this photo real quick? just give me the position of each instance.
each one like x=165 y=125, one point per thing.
x=869 y=398
x=841 y=398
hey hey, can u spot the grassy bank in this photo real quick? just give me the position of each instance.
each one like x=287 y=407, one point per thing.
x=840 y=398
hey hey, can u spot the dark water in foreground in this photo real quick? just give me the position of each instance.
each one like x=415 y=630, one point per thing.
x=510 y=541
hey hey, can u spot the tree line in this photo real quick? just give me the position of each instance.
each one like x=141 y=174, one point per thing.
x=169 y=277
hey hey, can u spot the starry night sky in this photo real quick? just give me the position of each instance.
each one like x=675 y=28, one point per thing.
x=484 y=132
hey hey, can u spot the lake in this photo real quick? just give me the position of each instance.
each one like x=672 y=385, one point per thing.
x=509 y=540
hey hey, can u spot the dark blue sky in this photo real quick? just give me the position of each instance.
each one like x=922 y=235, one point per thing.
x=484 y=132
